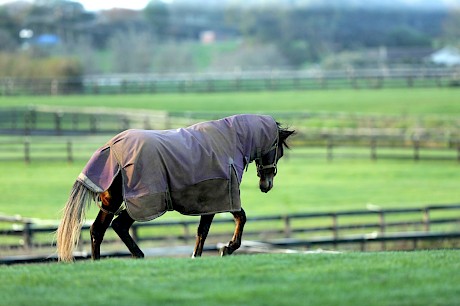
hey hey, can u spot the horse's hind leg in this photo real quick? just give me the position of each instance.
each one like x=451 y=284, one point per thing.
x=235 y=243
x=202 y=233
x=97 y=232
x=121 y=226
x=111 y=201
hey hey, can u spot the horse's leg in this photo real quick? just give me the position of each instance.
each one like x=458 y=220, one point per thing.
x=97 y=232
x=202 y=233
x=121 y=226
x=235 y=243
x=111 y=200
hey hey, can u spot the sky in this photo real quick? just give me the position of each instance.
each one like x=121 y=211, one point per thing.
x=95 y=5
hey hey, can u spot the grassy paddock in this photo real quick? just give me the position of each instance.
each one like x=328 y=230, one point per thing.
x=401 y=278
x=40 y=189
x=386 y=101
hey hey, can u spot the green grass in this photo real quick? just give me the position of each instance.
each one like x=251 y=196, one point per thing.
x=40 y=189
x=401 y=278
x=387 y=101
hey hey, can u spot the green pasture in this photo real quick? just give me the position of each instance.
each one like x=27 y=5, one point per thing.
x=40 y=189
x=410 y=101
x=387 y=278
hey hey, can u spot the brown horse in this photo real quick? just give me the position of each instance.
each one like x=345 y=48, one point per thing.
x=141 y=174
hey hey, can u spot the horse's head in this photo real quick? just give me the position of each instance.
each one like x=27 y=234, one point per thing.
x=267 y=163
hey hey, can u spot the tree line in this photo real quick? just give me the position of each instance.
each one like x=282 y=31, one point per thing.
x=165 y=36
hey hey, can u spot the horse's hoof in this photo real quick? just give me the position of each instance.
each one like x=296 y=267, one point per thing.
x=224 y=251
x=139 y=255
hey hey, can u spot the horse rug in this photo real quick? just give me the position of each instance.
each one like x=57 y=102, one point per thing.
x=195 y=170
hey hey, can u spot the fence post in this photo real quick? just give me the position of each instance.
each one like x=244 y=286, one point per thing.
x=75 y=121
x=147 y=125
x=27 y=151
x=93 y=124
x=210 y=85
x=27 y=122
x=410 y=81
x=373 y=147
x=458 y=151
x=426 y=218
x=416 y=141
x=330 y=147
x=69 y=151
x=27 y=235
x=124 y=121
x=57 y=121
x=335 y=230
x=382 y=228
x=287 y=226
x=14 y=119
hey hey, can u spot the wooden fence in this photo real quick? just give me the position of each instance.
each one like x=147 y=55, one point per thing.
x=235 y=81
x=315 y=145
x=378 y=144
x=44 y=133
x=334 y=229
x=71 y=121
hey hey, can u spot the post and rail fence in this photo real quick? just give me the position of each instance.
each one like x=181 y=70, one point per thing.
x=368 y=229
x=45 y=133
x=274 y=80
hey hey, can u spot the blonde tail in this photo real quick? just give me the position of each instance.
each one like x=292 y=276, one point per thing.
x=73 y=216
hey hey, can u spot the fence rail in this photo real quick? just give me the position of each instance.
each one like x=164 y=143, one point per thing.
x=235 y=81
x=311 y=144
x=434 y=222
x=379 y=144
x=44 y=133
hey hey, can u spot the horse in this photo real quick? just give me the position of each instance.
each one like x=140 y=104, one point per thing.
x=140 y=174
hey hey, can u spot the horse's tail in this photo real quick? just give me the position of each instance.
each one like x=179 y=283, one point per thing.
x=73 y=216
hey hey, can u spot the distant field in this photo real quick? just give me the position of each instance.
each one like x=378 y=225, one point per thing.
x=41 y=189
x=386 y=278
x=444 y=101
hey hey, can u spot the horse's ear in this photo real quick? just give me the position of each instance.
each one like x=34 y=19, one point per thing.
x=284 y=133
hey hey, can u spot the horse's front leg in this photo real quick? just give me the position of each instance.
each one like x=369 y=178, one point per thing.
x=235 y=243
x=121 y=226
x=202 y=233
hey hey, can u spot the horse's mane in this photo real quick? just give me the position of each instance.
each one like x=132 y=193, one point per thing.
x=284 y=133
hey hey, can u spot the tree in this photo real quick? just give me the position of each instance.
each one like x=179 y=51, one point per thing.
x=132 y=52
x=406 y=37
x=157 y=15
x=9 y=32
x=451 y=29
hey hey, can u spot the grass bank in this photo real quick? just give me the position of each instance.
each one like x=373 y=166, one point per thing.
x=401 y=278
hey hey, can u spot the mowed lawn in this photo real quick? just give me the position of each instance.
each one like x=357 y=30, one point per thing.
x=388 y=278
x=442 y=101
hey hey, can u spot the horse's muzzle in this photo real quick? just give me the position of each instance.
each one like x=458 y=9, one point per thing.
x=266 y=185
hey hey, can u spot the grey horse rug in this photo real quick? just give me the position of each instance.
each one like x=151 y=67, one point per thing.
x=195 y=170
